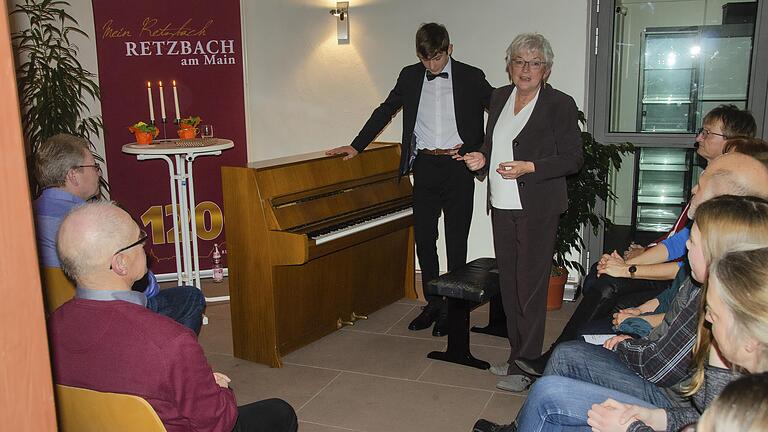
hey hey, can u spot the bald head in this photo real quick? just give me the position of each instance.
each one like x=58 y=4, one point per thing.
x=88 y=240
x=730 y=174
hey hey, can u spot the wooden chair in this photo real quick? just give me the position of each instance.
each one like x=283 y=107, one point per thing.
x=57 y=288
x=83 y=410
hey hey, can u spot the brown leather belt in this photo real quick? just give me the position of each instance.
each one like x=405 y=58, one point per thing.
x=438 y=152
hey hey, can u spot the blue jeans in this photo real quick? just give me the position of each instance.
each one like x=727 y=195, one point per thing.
x=183 y=304
x=557 y=403
x=596 y=365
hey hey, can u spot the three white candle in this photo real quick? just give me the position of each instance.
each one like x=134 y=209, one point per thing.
x=151 y=106
x=176 y=101
x=162 y=102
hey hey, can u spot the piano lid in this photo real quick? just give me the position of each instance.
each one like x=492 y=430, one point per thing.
x=312 y=188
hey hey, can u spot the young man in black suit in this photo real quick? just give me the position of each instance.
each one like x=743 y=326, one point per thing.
x=443 y=103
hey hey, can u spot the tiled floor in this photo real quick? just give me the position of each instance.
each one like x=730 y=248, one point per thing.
x=375 y=376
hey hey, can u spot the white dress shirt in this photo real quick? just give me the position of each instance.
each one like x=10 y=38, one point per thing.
x=436 y=118
x=505 y=193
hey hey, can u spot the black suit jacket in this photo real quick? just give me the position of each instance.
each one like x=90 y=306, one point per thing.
x=471 y=97
x=551 y=140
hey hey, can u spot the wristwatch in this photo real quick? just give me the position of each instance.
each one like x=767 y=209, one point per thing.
x=632 y=269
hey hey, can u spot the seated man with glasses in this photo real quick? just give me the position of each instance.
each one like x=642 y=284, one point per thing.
x=69 y=176
x=106 y=340
x=616 y=285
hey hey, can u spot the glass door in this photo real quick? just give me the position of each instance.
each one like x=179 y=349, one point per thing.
x=662 y=189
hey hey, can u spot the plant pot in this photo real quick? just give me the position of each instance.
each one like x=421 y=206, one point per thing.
x=143 y=137
x=187 y=133
x=556 y=289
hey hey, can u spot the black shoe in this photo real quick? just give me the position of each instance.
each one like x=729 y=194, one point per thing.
x=483 y=425
x=534 y=367
x=425 y=318
x=441 y=325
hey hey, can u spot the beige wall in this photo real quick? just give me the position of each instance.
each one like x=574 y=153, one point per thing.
x=304 y=92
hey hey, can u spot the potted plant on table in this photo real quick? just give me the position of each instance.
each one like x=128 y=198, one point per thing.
x=144 y=132
x=584 y=188
x=188 y=127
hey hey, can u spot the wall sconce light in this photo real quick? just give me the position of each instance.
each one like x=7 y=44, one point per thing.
x=342 y=21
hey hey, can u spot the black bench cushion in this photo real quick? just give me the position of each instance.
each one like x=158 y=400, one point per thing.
x=477 y=281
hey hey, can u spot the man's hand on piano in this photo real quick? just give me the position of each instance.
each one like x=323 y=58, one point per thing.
x=349 y=151
x=474 y=160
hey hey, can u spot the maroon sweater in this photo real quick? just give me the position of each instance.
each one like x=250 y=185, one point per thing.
x=121 y=347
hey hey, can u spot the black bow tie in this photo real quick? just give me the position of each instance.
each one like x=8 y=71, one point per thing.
x=431 y=76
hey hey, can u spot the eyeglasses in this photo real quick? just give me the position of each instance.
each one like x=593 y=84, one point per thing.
x=142 y=238
x=533 y=64
x=706 y=132
x=97 y=166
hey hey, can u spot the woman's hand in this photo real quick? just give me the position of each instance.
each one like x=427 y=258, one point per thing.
x=623 y=314
x=221 y=379
x=608 y=417
x=514 y=169
x=612 y=342
x=612 y=416
x=474 y=160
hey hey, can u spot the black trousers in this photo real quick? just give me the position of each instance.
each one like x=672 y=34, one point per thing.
x=605 y=295
x=524 y=246
x=270 y=415
x=441 y=185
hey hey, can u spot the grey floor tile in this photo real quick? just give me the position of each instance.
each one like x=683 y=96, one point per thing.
x=503 y=408
x=218 y=310
x=377 y=404
x=440 y=372
x=383 y=319
x=314 y=427
x=252 y=381
x=216 y=336
x=377 y=354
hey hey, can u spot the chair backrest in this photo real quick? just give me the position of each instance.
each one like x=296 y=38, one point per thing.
x=57 y=288
x=83 y=410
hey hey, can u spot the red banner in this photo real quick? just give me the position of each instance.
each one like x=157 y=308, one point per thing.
x=198 y=45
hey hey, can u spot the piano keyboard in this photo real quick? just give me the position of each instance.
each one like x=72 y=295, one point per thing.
x=334 y=233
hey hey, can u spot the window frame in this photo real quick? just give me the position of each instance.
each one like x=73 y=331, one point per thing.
x=600 y=68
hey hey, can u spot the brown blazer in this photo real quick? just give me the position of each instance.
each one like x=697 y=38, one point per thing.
x=551 y=140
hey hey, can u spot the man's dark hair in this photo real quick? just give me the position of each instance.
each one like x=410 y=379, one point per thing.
x=431 y=39
x=736 y=122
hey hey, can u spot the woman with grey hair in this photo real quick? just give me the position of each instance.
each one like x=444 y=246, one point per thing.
x=532 y=142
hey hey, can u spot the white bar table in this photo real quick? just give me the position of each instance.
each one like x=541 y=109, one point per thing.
x=183 y=204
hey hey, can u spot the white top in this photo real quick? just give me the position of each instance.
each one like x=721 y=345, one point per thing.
x=176 y=146
x=436 y=118
x=504 y=193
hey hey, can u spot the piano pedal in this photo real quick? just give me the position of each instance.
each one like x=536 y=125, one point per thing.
x=355 y=317
x=340 y=323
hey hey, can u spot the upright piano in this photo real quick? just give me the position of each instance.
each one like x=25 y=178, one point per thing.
x=314 y=243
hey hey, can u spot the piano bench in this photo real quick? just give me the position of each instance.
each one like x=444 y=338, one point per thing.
x=465 y=289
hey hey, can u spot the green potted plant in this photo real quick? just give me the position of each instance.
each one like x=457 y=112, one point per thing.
x=188 y=127
x=584 y=188
x=54 y=88
x=143 y=132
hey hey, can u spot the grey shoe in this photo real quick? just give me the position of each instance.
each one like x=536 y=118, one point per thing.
x=515 y=383
x=500 y=369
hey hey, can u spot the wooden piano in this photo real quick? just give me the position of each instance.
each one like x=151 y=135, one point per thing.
x=314 y=243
